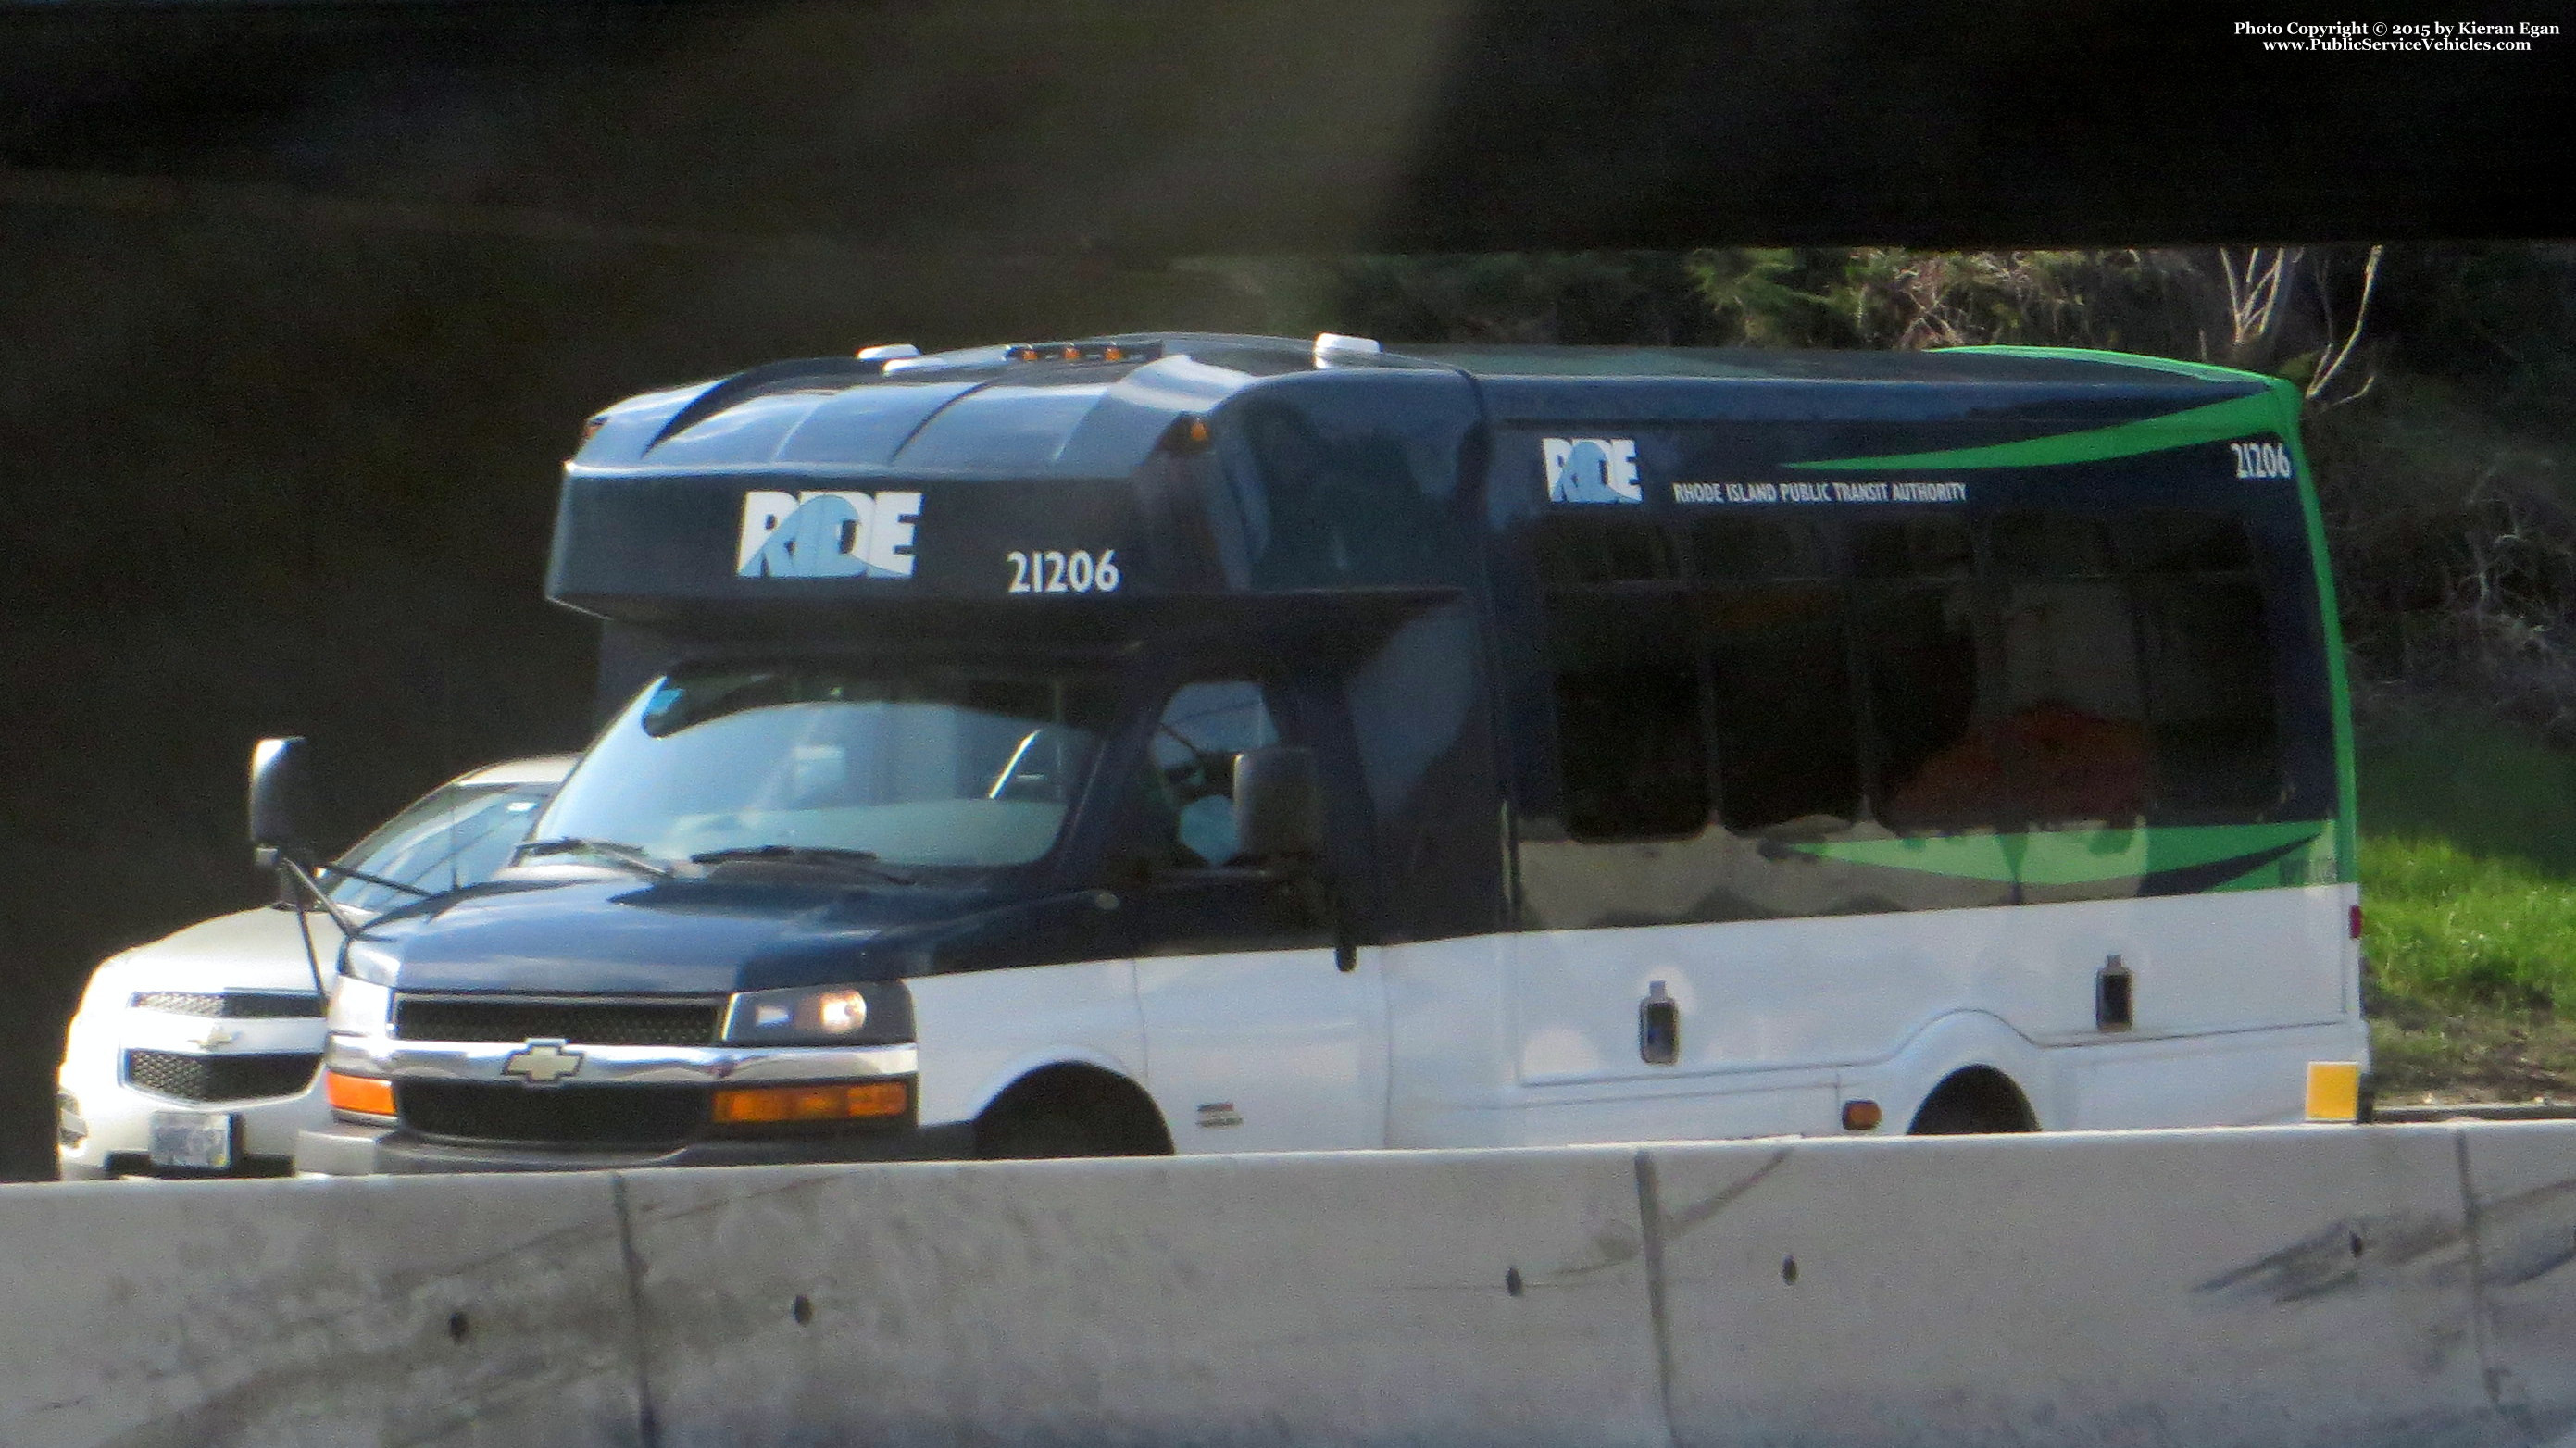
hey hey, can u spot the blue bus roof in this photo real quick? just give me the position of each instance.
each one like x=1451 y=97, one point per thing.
x=979 y=412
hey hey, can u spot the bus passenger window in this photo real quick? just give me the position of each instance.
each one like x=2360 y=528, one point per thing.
x=2179 y=540
x=1582 y=552
x=1630 y=753
x=2029 y=544
x=1742 y=549
x=2217 y=749
x=1936 y=769
x=2071 y=724
x=1912 y=548
x=1787 y=735
x=2073 y=730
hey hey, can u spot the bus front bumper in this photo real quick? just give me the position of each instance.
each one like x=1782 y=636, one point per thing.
x=346 y=1148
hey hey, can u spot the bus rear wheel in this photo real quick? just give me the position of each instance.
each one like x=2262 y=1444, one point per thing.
x=1978 y=1101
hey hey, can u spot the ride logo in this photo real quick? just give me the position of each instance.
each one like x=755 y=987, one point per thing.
x=827 y=535
x=1591 y=470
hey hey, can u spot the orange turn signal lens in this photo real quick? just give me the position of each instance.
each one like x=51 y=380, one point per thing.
x=1861 y=1116
x=365 y=1095
x=756 y=1105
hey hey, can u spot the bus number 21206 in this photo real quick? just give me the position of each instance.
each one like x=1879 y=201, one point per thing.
x=1051 y=571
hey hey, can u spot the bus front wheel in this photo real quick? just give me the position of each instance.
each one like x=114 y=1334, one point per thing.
x=1071 y=1110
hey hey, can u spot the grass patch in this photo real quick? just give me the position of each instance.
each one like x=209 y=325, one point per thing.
x=2468 y=879
x=2447 y=928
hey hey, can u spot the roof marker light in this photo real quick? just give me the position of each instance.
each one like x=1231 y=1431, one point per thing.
x=1332 y=347
x=1082 y=352
x=888 y=351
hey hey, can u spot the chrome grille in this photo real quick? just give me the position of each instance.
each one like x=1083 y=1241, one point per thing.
x=237 y=1004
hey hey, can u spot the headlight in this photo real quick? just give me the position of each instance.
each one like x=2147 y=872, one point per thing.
x=359 y=1007
x=875 y=1013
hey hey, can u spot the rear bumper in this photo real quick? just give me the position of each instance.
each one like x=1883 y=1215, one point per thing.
x=349 y=1149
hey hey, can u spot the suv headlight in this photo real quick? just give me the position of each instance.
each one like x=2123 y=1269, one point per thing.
x=872 y=1013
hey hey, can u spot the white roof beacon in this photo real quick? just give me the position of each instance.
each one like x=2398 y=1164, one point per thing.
x=1333 y=347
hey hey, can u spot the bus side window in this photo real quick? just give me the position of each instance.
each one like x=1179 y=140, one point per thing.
x=2072 y=720
x=1927 y=671
x=1632 y=761
x=1925 y=654
x=2210 y=661
x=1773 y=625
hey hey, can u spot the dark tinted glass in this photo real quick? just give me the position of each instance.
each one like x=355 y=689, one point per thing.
x=1786 y=733
x=2071 y=728
x=1579 y=552
x=1912 y=548
x=1629 y=750
x=1756 y=548
x=2186 y=541
x=2050 y=545
x=2209 y=657
x=1936 y=769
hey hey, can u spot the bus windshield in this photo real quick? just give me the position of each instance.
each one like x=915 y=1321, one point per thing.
x=455 y=836
x=926 y=767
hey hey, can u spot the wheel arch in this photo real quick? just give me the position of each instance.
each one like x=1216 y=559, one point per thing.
x=1956 y=1046
x=1085 y=1085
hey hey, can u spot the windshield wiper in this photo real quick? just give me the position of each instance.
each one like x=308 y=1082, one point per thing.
x=861 y=861
x=343 y=870
x=627 y=855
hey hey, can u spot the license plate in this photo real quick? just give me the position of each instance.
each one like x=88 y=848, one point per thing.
x=202 y=1140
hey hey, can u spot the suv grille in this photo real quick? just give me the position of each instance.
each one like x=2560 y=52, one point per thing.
x=580 y=1023
x=567 y=1116
x=237 y=1004
x=219 y=1078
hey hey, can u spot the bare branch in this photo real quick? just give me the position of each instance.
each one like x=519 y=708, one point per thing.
x=2337 y=354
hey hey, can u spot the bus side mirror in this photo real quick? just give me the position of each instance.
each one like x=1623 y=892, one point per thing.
x=1278 y=803
x=281 y=800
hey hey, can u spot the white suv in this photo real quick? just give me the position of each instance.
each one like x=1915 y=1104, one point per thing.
x=195 y=1055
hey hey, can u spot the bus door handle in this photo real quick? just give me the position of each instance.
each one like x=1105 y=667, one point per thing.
x=2115 y=1006
x=1659 y=1027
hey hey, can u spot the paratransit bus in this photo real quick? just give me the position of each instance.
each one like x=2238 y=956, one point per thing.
x=1210 y=743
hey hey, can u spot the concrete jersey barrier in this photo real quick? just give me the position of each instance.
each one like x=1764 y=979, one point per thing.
x=2327 y=1285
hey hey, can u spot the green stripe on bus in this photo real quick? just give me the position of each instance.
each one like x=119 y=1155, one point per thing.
x=2204 y=371
x=2237 y=417
x=2076 y=857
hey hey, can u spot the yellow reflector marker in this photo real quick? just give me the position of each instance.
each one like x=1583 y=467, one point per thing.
x=1861 y=1116
x=366 y=1095
x=752 y=1105
x=2334 y=1090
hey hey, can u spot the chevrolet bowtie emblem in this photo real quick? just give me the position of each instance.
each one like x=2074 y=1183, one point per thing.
x=542 y=1062
x=214 y=1038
